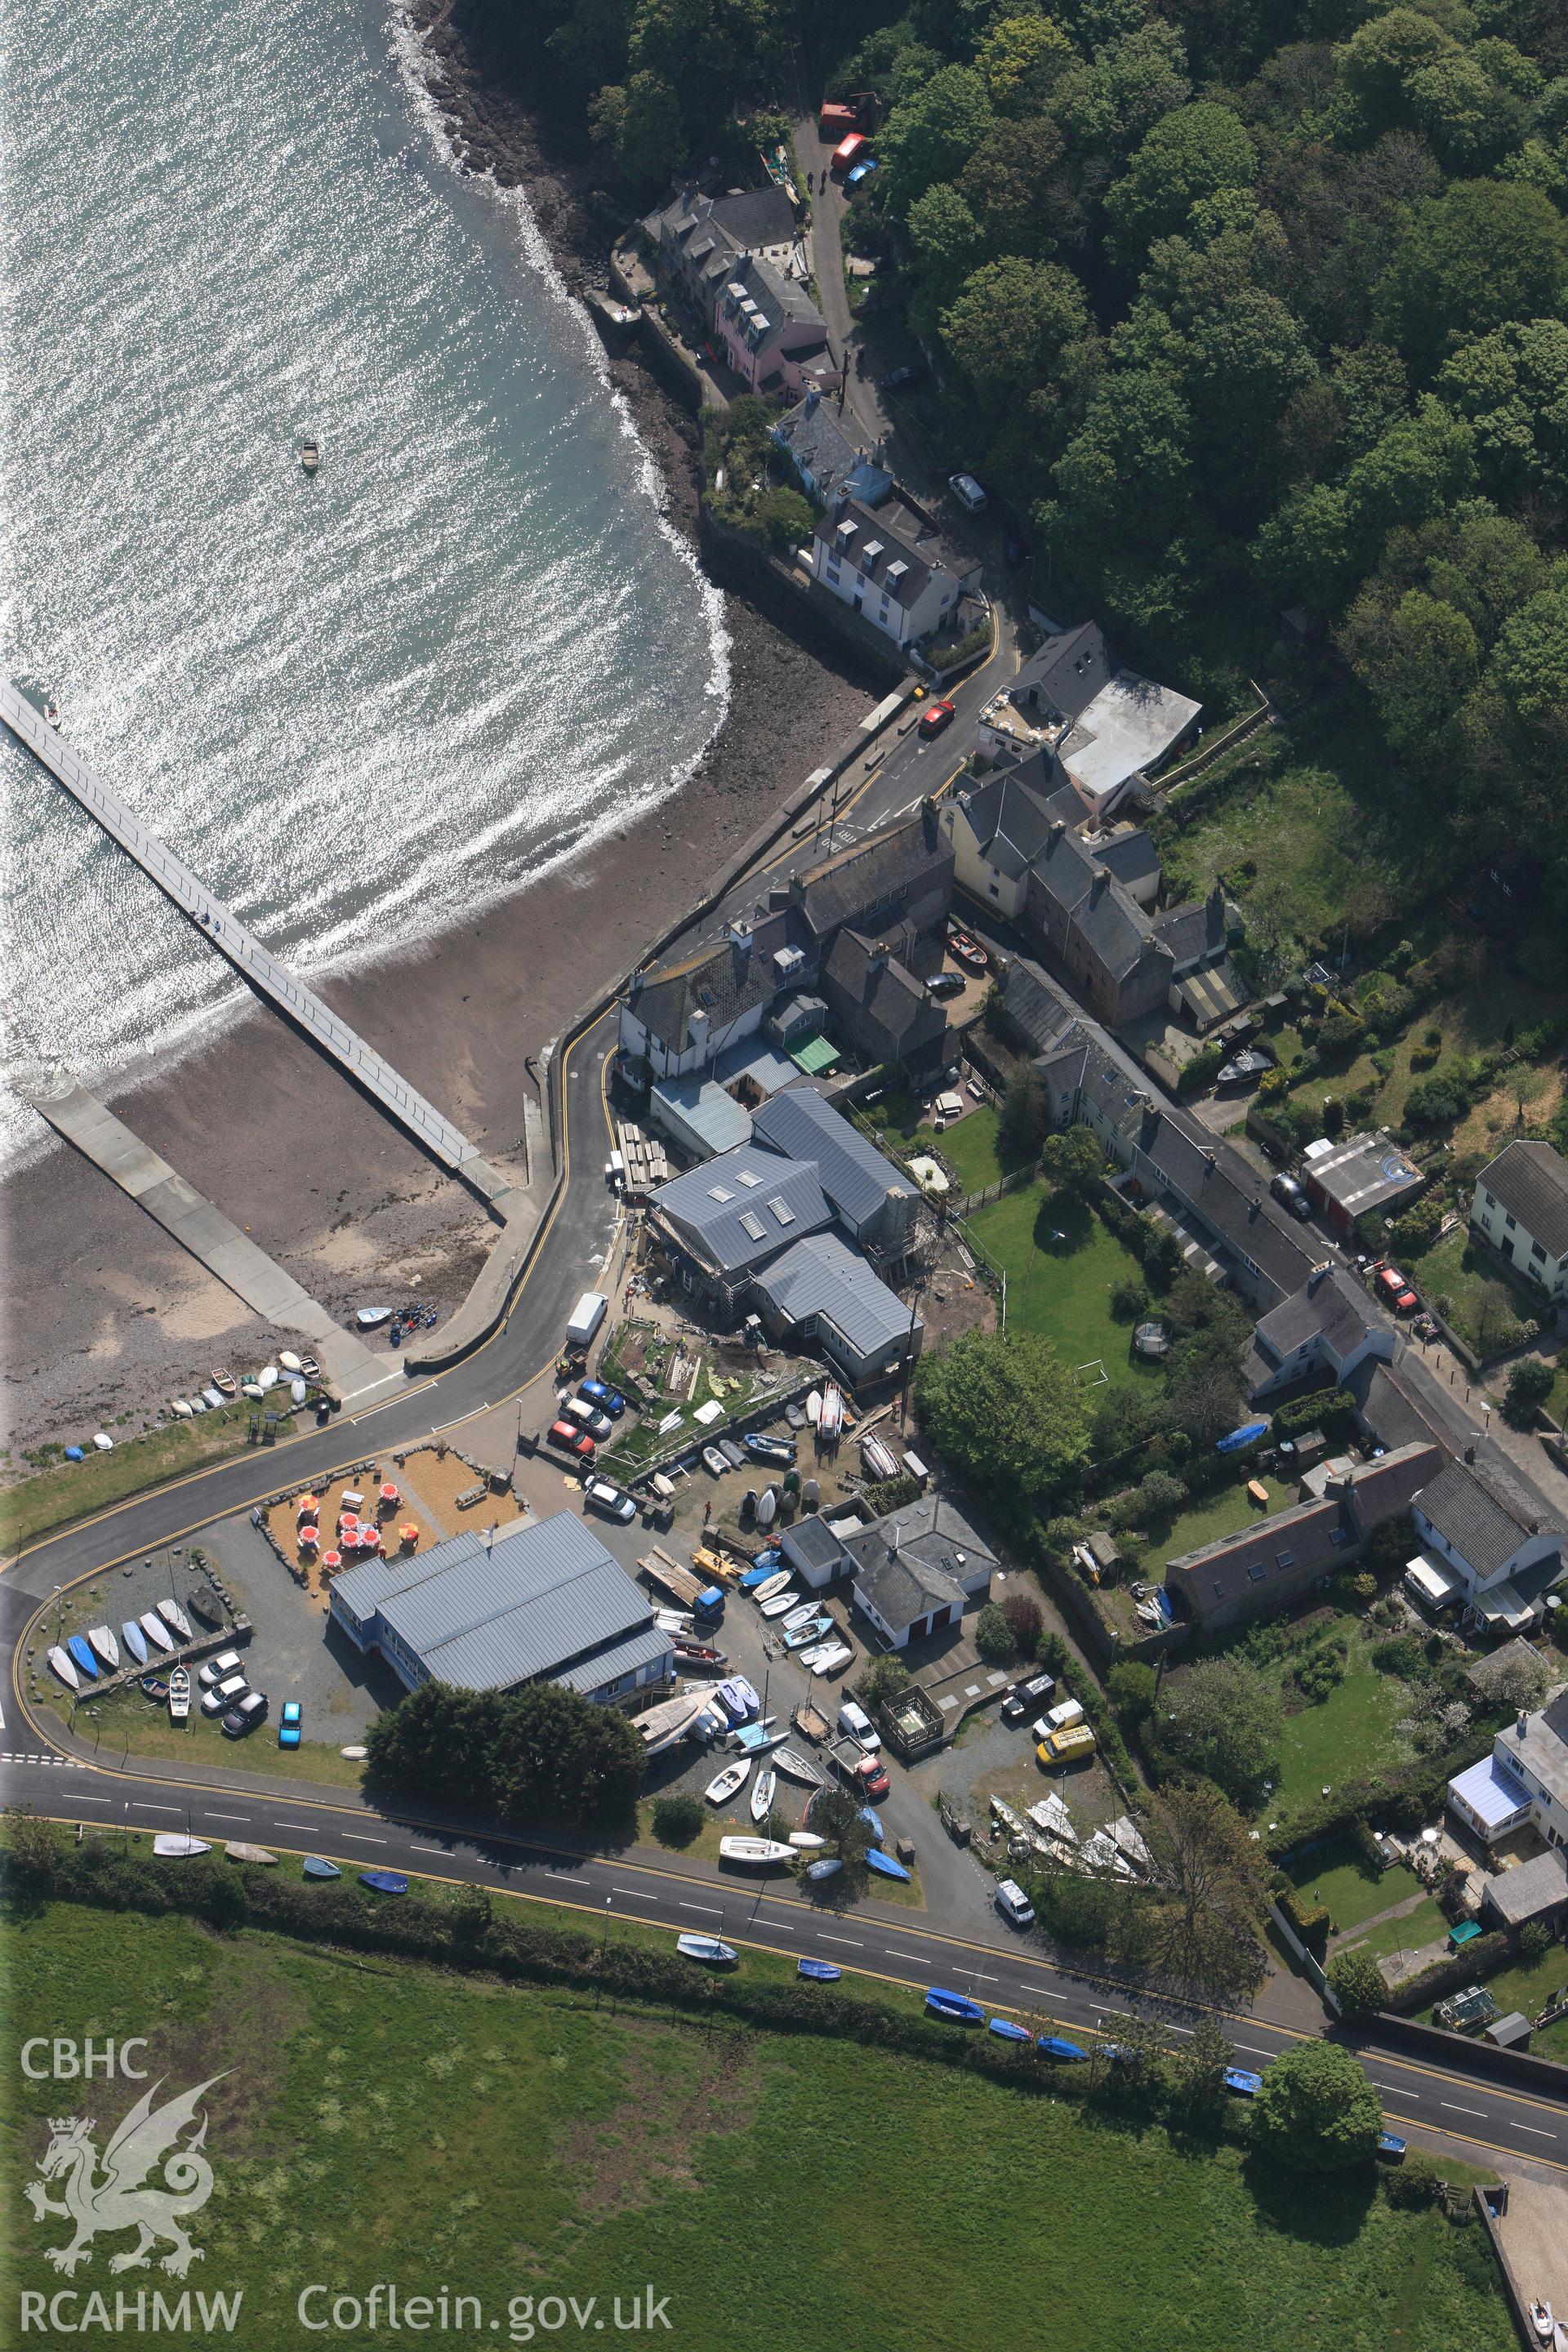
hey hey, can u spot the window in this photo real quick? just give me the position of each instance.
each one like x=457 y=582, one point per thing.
x=750 y=1179
x=1220 y=1591
x=751 y=1223
x=1285 y=1558
x=1491 y=1203
x=717 y=1192
x=782 y=1211
x=1337 y=1536
x=1536 y=1250
x=1257 y=1573
x=1509 y=1220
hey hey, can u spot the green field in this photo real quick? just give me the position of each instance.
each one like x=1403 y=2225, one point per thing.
x=1062 y=1288
x=378 y=2123
x=1351 y=1734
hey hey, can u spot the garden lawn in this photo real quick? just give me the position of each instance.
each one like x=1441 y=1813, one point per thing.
x=1219 y=1513
x=970 y=1149
x=1456 y=1270
x=1061 y=1289
x=1350 y=1735
x=1337 y=1876
x=379 y=2122
x=1408 y=1933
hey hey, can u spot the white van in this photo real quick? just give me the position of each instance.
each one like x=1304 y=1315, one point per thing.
x=1014 y=1903
x=1063 y=1718
x=586 y=1317
x=856 y=1723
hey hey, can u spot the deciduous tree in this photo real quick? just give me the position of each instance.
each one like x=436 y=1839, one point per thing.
x=1317 y=2112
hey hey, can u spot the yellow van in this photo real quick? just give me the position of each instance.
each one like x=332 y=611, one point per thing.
x=1066 y=1746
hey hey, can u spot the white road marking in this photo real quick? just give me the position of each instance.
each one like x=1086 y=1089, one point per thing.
x=354 y=1838
x=712 y=1909
x=228 y=1817
x=853 y=1942
x=1253 y=2051
x=977 y=1977
x=1181 y=2029
x=148 y=1807
x=426 y=1849
x=292 y=1825
x=1453 y=2110
x=636 y=1893
x=1536 y=2131
x=894 y=1954
x=95 y=1800
x=567 y=1877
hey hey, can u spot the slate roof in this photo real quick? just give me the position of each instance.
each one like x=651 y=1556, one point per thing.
x=1530 y=1181
x=821 y=1275
x=1331 y=1305
x=1485 y=1519
x=722 y=981
x=825 y=454
x=724 y=1212
x=1208 y=1175
x=1073 y=883
x=1011 y=813
x=1529 y=1887
x=546 y=1596
x=1309 y=1540
x=779 y=299
x=1067 y=673
x=850 y=1169
x=1130 y=856
x=901 y=1589
x=755 y=216
x=1393 y=1415
x=1193 y=932
x=1036 y=1010
x=875 y=877
x=888 y=992
x=814 y=1541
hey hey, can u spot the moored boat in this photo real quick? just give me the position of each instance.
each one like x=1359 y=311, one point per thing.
x=60 y=1659
x=105 y=1645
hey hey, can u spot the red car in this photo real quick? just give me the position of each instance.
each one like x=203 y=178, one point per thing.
x=571 y=1440
x=968 y=950
x=940 y=715
x=1396 y=1292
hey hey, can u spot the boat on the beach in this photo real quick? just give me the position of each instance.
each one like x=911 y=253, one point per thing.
x=370 y=1319
x=105 y=1644
x=288 y=1360
x=297 y=1390
x=157 y=1632
x=59 y=1660
x=135 y=1641
x=318 y=1866
x=310 y=1366
x=267 y=1377
x=762 y=1793
x=385 y=1882
x=238 y=1851
x=223 y=1382
x=211 y=1398
x=175 y=1845
x=758 y=1853
x=174 y=1617
x=794 y=1766
x=727 y=1783
x=181 y=1409
x=820 y=1971
x=715 y=1463
x=707 y=1948
x=179 y=1696
x=252 y=1389
x=82 y=1650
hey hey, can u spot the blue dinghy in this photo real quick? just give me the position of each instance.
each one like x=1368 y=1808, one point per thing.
x=1056 y=2046
x=820 y=1971
x=385 y=1882
x=1005 y=2031
x=80 y=1649
x=885 y=1867
x=954 y=2006
x=317 y=1866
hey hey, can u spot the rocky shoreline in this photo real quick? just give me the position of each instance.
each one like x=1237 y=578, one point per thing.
x=107 y=1316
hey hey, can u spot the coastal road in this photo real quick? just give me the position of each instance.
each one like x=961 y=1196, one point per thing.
x=1006 y=1975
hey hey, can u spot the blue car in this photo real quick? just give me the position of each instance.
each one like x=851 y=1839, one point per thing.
x=860 y=173
x=609 y=1400
x=289 y=1724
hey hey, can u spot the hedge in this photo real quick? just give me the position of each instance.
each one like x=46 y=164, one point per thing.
x=1081 y=1684
x=1475 y=1962
x=1312 y=1921
x=1331 y=1410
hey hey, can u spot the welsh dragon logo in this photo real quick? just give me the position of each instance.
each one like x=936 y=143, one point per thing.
x=118 y=2197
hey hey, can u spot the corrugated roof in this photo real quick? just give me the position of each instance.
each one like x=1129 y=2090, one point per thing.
x=612 y=1665
x=850 y=1169
x=714 y=1228
x=487 y=1617
x=822 y=1277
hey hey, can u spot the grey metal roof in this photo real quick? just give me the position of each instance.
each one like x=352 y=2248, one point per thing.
x=546 y=1593
x=1530 y=1180
x=850 y=1169
x=1486 y=1525
x=742 y=1208
x=822 y=1277
x=604 y=1667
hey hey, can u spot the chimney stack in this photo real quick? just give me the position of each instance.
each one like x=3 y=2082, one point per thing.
x=1101 y=876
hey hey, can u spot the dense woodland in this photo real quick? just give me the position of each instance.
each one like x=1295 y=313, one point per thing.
x=1243 y=306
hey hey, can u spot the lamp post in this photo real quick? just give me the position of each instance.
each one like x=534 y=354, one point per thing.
x=604 y=1948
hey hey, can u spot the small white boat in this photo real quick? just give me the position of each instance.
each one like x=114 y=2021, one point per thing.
x=355 y=1755
x=104 y=1643
x=794 y=1766
x=297 y=1391
x=1541 y=2321
x=762 y=1793
x=779 y=1603
x=727 y=1783
x=176 y=1846
x=174 y=1616
x=758 y=1853
x=181 y=1409
x=814 y=1407
x=198 y=1404
x=767 y=1508
x=369 y=1317
x=832 y=1412
x=224 y=1383
x=238 y=1851
x=104 y=1443
x=806 y=1841
x=828 y=1660
x=65 y=1667
x=310 y=454
x=157 y=1632
x=252 y=1389
x=289 y=1360
x=772 y=1586
x=267 y=1378
x=800 y=1616
x=713 y=1461
x=706 y=1947
x=179 y=1696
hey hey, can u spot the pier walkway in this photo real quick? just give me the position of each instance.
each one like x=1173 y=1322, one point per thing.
x=211 y=1239
x=224 y=932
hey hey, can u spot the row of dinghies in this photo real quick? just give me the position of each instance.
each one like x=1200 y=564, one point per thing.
x=957 y=2009
x=179 y=1845
x=83 y=1658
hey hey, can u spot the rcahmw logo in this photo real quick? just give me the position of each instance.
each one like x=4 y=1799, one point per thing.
x=148 y=2179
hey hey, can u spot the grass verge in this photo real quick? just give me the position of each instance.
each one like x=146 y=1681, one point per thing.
x=57 y=1498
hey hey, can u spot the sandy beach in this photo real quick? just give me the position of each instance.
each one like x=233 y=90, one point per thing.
x=108 y=1318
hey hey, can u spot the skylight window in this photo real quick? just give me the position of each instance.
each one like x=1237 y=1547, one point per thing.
x=751 y=1223
x=782 y=1211
x=717 y=1192
x=750 y=1179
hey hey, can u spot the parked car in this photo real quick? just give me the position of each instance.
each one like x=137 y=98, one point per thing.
x=848 y=151
x=769 y=1449
x=854 y=1720
x=968 y=950
x=858 y=174
x=586 y=1416
x=219 y=1670
x=1291 y=1194
x=945 y=983
x=612 y=1501
x=571 y=1440
x=1395 y=1292
x=1024 y=1696
x=1014 y=1903
x=250 y=1708
x=222 y=1695
x=289 y=1724
x=896 y=378
x=609 y=1400
x=936 y=717
x=1243 y=2082
x=968 y=492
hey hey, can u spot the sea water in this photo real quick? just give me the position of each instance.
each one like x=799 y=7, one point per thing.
x=359 y=704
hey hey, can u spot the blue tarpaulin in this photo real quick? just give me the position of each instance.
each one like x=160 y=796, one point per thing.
x=1247 y=1436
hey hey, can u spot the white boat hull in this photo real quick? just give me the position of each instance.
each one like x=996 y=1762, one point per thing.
x=157 y=1632
x=727 y=1783
x=65 y=1666
x=104 y=1646
x=757 y=1852
x=175 y=1845
x=763 y=1794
